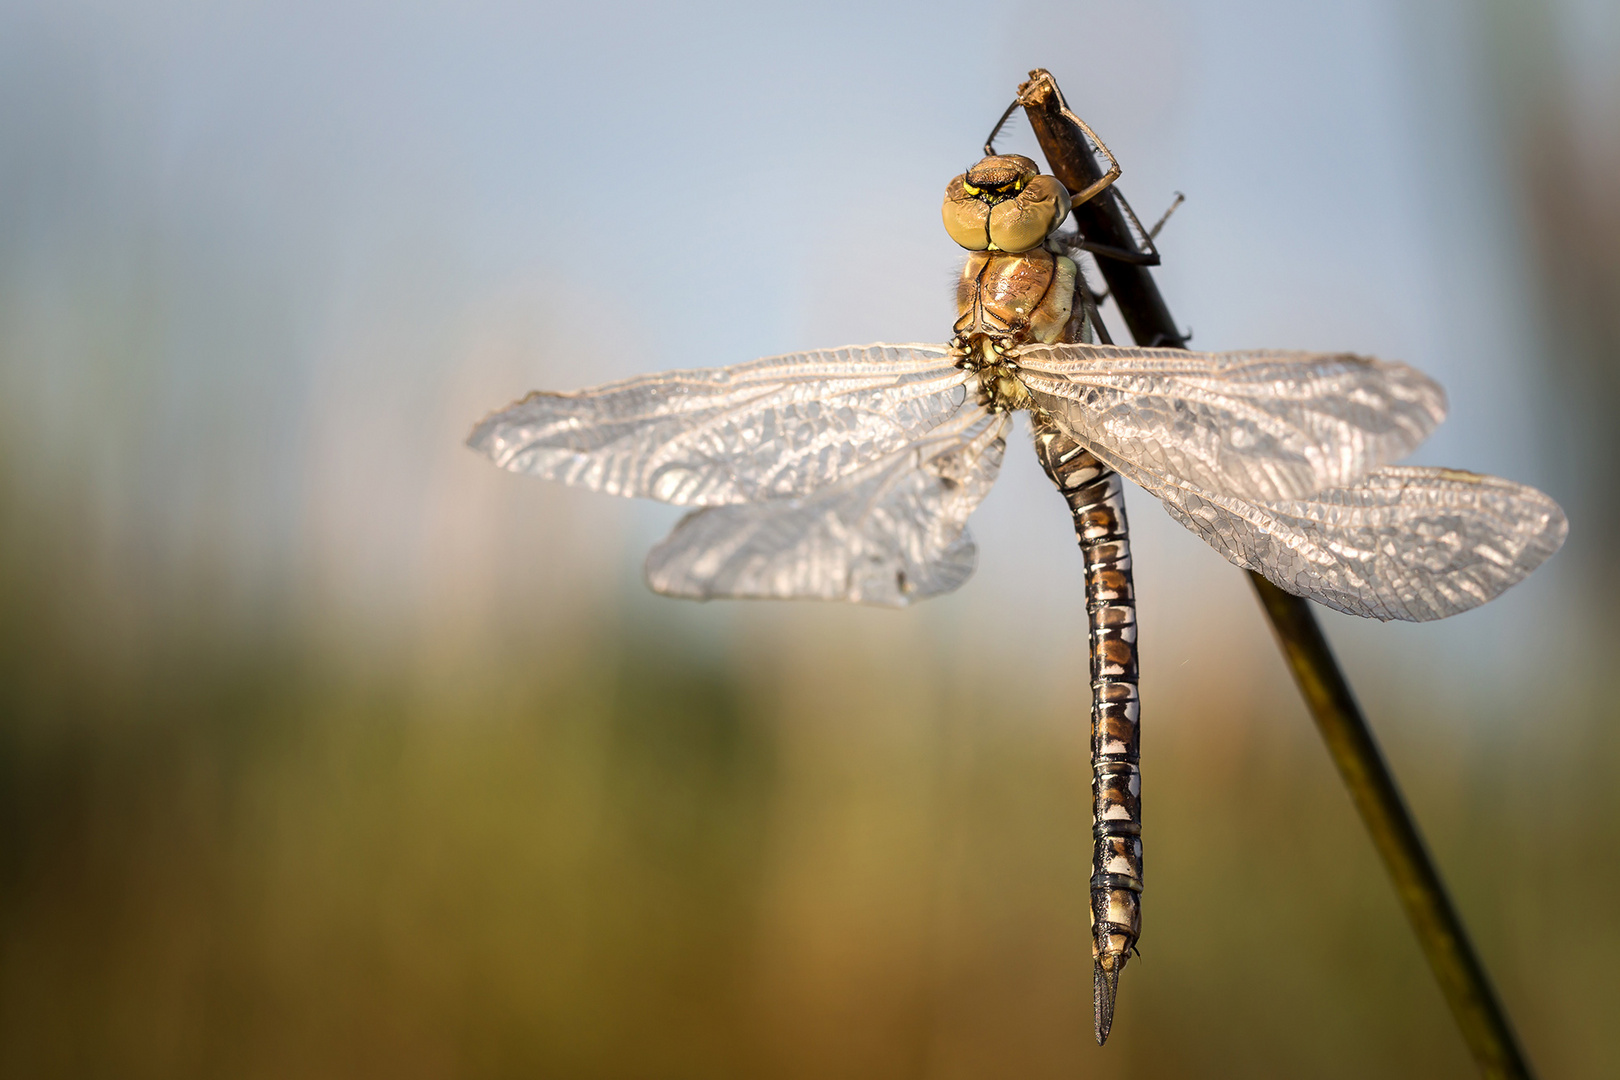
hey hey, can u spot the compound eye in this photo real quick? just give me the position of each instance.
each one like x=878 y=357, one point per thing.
x=967 y=217
x=1022 y=223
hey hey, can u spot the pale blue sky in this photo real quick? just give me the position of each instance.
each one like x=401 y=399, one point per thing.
x=265 y=263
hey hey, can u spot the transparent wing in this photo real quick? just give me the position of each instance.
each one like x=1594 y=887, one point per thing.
x=891 y=533
x=1258 y=425
x=769 y=429
x=1404 y=543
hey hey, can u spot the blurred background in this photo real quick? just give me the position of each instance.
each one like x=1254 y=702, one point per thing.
x=328 y=750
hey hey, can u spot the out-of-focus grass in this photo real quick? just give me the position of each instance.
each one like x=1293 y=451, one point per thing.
x=234 y=854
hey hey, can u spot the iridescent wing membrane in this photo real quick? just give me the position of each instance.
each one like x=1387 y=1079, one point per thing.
x=888 y=532
x=1258 y=425
x=849 y=474
x=838 y=474
x=1403 y=543
x=769 y=429
x=1279 y=461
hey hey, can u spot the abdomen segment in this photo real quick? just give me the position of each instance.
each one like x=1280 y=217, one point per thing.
x=1097 y=500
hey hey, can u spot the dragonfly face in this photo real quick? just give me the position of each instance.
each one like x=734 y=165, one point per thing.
x=1003 y=203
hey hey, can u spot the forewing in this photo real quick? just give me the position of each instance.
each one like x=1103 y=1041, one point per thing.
x=774 y=428
x=891 y=533
x=1259 y=425
x=1404 y=543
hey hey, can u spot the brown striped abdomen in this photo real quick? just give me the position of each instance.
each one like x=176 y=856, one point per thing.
x=1096 y=498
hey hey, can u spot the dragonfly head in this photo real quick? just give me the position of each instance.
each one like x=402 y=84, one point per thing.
x=1004 y=203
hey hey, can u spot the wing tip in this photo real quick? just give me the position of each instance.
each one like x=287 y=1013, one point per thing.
x=1556 y=531
x=1545 y=542
x=484 y=438
x=479 y=439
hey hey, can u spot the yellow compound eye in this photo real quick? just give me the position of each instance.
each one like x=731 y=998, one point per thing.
x=966 y=218
x=1021 y=223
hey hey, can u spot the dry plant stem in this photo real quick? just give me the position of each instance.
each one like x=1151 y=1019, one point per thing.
x=1463 y=980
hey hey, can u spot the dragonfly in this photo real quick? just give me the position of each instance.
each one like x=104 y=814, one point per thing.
x=849 y=474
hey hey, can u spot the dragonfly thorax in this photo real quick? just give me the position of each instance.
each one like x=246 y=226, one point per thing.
x=996 y=379
x=1014 y=299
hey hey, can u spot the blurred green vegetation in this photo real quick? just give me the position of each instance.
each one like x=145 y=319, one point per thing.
x=233 y=854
